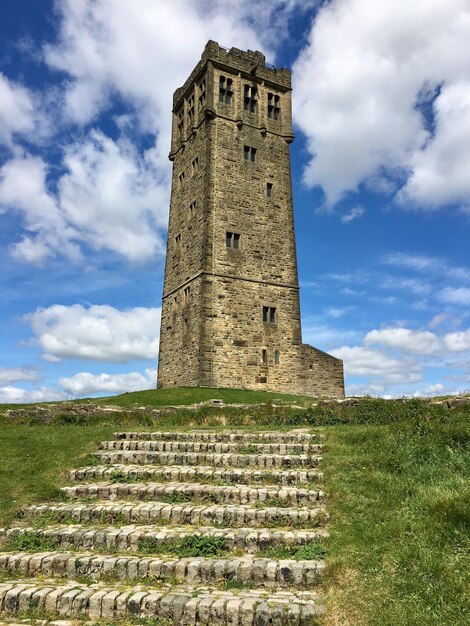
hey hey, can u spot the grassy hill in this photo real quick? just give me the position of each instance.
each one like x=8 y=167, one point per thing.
x=397 y=478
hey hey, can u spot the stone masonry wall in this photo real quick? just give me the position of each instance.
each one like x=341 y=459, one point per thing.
x=212 y=330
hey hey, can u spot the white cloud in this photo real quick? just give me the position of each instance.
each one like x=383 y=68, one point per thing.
x=362 y=83
x=353 y=214
x=109 y=198
x=99 y=332
x=114 y=198
x=23 y=189
x=438 y=319
x=405 y=340
x=458 y=342
x=418 y=262
x=337 y=312
x=439 y=171
x=362 y=361
x=429 y=264
x=144 y=49
x=85 y=383
x=14 y=395
x=19 y=113
x=455 y=295
x=16 y=374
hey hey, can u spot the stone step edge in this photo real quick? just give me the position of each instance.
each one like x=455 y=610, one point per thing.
x=172 y=472
x=185 y=609
x=234 y=515
x=210 y=446
x=260 y=572
x=243 y=495
x=128 y=537
x=225 y=460
x=274 y=436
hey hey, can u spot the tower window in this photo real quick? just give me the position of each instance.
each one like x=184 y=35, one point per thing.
x=269 y=314
x=181 y=179
x=192 y=209
x=202 y=93
x=249 y=153
x=249 y=99
x=276 y=357
x=232 y=240
x=264 y=356
x=274 y=106
x=185 y=326
x=225 y=90
x=269 y=190
x=178 y=243
x=180 y=122
x=187 y=295
x=195 y=165
x=191 y=108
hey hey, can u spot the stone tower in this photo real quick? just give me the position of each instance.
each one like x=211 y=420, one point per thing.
x=231 y=312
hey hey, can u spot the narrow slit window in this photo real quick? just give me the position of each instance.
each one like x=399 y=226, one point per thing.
x=178 y=243
x=202 y=93
x=192 y=209
x=187 y=295
x=264 y=356
x=225 y=90
x=191 y=109
x=276 y=357
x=185 y=324
x=249 y=153
x=181 y=179
x=269 y=314
x=249 y=98
x=274 y=106
x=195 y=165
x=181 y=122
x=232 y=240
x=269 y=190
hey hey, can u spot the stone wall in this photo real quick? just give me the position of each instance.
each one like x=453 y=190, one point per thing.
x=212 y=331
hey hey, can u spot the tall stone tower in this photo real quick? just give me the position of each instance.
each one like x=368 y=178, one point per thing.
x=231 y=312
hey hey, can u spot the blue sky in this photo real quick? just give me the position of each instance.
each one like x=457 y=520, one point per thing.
x=380 y=176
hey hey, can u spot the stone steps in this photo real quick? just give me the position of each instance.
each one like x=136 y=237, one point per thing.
x=288 y=437
x=262 y=461
x=238 y=501
x=212 y=447
x=251 y=571
x=226 y=494
x=181 y=473
x=182 y=607
x=153 y=512
x=128 y=538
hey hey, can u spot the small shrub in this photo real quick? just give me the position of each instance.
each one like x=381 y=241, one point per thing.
x=189 y=546
x=32 y=541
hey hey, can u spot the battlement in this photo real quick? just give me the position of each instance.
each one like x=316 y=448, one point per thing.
x=248 y=62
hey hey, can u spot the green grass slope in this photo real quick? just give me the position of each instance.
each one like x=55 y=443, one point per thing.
x=397 y=484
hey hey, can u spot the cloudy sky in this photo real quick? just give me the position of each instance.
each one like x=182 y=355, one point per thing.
x=381 y=175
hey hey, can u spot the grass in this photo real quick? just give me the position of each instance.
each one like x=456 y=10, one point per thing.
x=180 y=396
x=396 y=476
x=311 y=551
x=189 y=546
x=31 y=541
x=35 y=462
x=399 y=499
